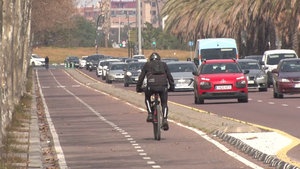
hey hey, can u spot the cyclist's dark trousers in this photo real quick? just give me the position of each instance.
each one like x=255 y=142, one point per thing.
x=163 y=94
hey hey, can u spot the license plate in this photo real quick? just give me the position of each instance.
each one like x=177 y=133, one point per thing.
x=297 y=85
x=251 y=82
x=136 y=79
x=181 y=85
x=223 y=87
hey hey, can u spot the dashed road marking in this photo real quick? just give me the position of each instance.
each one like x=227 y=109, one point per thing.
x=271 y=103
x=150 y=162
x=285 y=105
x=146 y=158
x=259 y=101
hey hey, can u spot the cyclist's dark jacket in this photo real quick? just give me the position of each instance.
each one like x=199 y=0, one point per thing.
x=146 y=71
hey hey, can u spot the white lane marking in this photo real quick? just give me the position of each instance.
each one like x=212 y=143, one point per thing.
x=271 y=103
x=150 y=162
x=60 y=154
x=140 y=150
x=127 y=136
x=75 y=85
x=45 y=87
x=135 y=144
x=137 y=147
x=143 y=154
x=298 y=107
x=156 y=166
x=132 y=142
x=60 y=85
x=146 y=158
x=285 y=105
x=259 y=101
x=220 y=146
x=249 y=99
x=125 y=133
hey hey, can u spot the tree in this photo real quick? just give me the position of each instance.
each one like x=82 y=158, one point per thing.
x=106 y=24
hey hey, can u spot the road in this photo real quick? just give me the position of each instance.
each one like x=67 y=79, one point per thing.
x=262 y=109
x=95 y=130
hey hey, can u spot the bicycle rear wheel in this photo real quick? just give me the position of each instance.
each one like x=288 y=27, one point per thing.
x=157 y=123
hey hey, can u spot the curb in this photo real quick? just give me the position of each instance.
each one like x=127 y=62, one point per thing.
x=256 y=154
x=35 y=149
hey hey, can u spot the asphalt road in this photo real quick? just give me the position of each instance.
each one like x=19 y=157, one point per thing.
x=262 y=109
x=98 y=131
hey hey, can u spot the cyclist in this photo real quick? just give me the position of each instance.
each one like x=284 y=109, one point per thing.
x=158 y=77
x=47 y=62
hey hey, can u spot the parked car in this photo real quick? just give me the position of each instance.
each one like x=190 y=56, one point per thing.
x=169 y=60
x=182 y=74
x=101 y=64
x=131 y=72
x=220 y=79
x=256 y=57
x=271 y=58
x=141 y=58
x=115 y=72
x=82 y=62
x=36 y=60
x=257 y=77
x=92 y=61
x=286 y=78
x=70 y=60
x=104 y=67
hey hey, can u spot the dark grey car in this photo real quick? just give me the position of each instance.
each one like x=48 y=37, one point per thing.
x=70 y=60
x=131 y=72
x=257 y=78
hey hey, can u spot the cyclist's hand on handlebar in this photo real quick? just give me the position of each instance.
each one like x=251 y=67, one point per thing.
x=171 y=89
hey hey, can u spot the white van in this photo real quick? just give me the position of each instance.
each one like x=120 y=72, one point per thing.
x=271 y=59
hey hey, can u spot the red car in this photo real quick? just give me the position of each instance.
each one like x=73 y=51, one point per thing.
x=220 y=79
x=286 y=78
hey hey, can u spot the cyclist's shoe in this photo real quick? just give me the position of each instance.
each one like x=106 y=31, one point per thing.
x=165 y=125
x=149 y=118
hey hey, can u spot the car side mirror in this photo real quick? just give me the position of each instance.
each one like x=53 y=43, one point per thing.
x=274 y=71
x=195 y=73
x=261 y=63
x=246 y=71
x=124 y=69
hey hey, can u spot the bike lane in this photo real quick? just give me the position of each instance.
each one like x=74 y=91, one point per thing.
x=99 y=131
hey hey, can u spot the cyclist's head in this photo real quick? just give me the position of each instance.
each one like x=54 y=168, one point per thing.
x=154 y=56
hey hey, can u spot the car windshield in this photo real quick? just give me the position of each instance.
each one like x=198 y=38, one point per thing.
x=181 y=68
x=73 y=58
x=135 y=66
x=290 y=66
x=249 y=65
x=275 y=58
x=84 y=58
x=36 y=56
x=118 y=66
x=216 y=68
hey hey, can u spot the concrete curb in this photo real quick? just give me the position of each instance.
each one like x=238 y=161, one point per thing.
x=35 y=149
x=267 y=159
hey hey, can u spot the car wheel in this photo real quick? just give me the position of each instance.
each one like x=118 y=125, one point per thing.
x=126 y=84
x=245 y=100
x=86 y=68
x=103 y=77
x=280 y=96
x=196 y=98
x=97 y=74
x=263 y=89
x=33 y=64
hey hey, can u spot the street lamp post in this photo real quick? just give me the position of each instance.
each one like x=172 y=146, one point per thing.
x=139 y=27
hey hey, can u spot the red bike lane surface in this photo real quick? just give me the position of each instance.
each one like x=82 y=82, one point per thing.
x=98 y=131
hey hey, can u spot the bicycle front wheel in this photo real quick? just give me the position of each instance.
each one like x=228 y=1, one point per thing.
x=157 y=125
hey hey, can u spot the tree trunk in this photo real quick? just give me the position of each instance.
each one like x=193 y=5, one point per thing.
x=158 y=14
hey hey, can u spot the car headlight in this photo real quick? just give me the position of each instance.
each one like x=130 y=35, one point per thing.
x=284 y=80
x=112 y=74
x=204 y=83
x=261 y=76
x=240 y=84
x=128 y=73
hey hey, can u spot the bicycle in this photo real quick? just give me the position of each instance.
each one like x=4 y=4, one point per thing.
x=157 y=116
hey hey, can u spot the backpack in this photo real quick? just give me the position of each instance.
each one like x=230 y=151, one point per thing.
x=158 y=75
x=157 y=67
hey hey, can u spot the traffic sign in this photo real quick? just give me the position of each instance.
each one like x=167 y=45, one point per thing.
x=191 y=43
x=123 y=43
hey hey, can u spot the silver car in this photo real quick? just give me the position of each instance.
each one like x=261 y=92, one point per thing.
x=182 y=74
x=115 y=72
x=257 y=78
